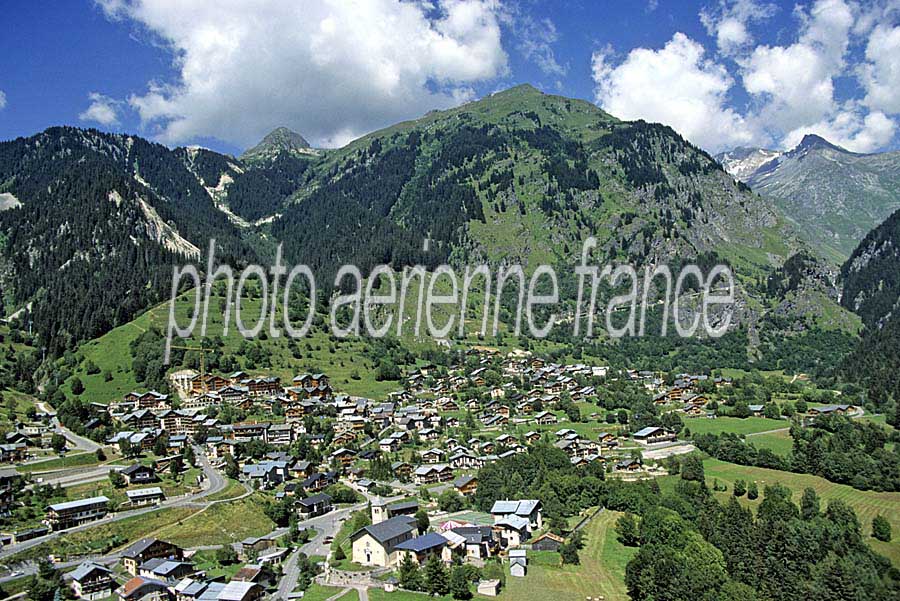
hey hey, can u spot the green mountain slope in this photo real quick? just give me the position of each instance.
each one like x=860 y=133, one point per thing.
x=871 y=287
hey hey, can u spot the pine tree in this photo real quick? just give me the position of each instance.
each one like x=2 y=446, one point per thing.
x=459 y=583
x=409 y=573
x=436 y=579
x=809 y=504
x=881 y=528
x=627 y=529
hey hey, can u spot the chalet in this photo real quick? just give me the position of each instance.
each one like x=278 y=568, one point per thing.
x=313 y=506
x=253 y=546
x=202 y=401
x=251 y=431
x=476 y=542
x=382 y=511
x=433 y=456
x=653 y=434
x=429 y=434
x=496 y=420
x=466 y=485
x=430 y=474
x=169 y=571
x=831 y=410
x=300 y=469
x=207 y=382
x=268 y=386
x=545 y=418
x=376 y=544
x=464 y=460
x=146 y=549
x=143 y=589
x=14 y=452
x=145 y=496
x=319 y=481
x=280 y=434
x=512 y=530
x=530 y=510
x=233 y=394
x=756 y=410
x=91 y=581
x=628 y=465
x=532 y=437
x=607 y=440
x=344 y=456
x=237 y=590
x=74 y=513
x=344 y=438
x=140 y=419
x=401 y=469
x=148 y=400
x=388 y=445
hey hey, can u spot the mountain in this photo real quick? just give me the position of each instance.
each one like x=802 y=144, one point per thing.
x=833 y=195
x=280 y=141
x=517 y=177
x=871 y=288
x=743 y=162
x=94 y=223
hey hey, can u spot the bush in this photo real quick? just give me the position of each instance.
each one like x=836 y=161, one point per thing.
x=881 y=528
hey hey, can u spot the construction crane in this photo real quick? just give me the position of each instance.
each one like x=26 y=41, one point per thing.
x=202 y=351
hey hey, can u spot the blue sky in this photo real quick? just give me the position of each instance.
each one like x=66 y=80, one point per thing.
x=221 y=74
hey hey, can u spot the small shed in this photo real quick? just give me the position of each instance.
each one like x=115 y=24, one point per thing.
x=518 y=563
x=488 y=588
x=547 y=542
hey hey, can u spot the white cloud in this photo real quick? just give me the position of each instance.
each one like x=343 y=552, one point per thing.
x=729 y=20
x=675 y=85
x=2 y=100
x=849 y=128
x=103 y=110
x=536 y=39
x=881 y=74
x=329 y=69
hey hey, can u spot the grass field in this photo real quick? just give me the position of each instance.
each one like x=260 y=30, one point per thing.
x=81 y=459
x=105 y=537
x=779 y=442
x=221 y=523
x=601 y=573
x=867 y=504
x=737 y=425
x=232 y=489
x=317 y=592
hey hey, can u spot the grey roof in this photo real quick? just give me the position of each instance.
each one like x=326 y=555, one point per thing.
x=315 y=500
x=646 y=431
x=85 y=569
x=388 y=529
x=429 y=540
x=401 y=505
x=78 y=503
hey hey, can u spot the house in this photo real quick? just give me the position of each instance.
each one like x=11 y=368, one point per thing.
x=13 y=452
x=401 y=469
x=466 y=485
x=489 y=588
x=528 y=509
x=547 y=542
x=169 y=571
x=513 y=530
x=388 y=445
x=430 y=474
x=755 y=410
x=382 y=511
x=344 y=456
x=146 y=549
x=144 y=589
x=831 y=410
x=74 y=513
x=139 y=474
x=432 y=456
x=257 y=573
x=421 y=548
x=653 y=434
x=478 y=542
x=240 y=591
x=319 y=481
x=253 y=546
x=91 y=581
x=376 y=544
x=628 y=465
x=314 y=505
x=545 y=418
x=145 y=496
x=518 y=563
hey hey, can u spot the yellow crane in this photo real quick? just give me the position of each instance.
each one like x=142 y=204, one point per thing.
x=202 y=351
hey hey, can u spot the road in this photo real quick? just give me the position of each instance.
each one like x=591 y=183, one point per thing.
x=216 y=483
x=80 y=442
